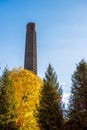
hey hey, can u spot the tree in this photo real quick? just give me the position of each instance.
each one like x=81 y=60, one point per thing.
x=77 y=112
x=27 y=92
x=7 y=102
x=49 y=114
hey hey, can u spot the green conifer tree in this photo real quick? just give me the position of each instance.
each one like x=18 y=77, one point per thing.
x=49 y=112
x=77 y=112
x=7 y=103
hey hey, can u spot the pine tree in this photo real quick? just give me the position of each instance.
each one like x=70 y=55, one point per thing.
x=77 y=112
x=7 y=102
x=49 y=112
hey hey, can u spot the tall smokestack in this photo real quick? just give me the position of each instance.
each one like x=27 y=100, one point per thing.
x=30 y=61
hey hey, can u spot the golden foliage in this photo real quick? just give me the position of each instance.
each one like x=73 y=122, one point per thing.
x=27 y=93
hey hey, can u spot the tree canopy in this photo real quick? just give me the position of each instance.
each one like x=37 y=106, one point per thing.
x=8 y=114
x=49 y=111
x=77 y=112
x=27 y=91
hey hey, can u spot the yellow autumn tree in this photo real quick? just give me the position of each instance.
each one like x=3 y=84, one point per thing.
x=27 y=93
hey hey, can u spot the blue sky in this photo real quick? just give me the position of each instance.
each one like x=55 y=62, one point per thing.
x=61 y=34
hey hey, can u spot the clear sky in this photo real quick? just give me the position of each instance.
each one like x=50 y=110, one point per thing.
x=61 y=34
